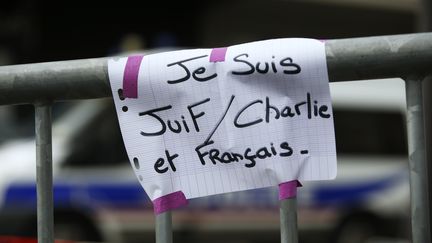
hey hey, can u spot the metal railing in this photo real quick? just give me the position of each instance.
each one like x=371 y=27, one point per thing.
x=405 y=56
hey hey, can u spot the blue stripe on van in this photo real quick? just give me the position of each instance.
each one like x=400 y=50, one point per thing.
x=89 y=195
x=132 y=195
x=352 y=194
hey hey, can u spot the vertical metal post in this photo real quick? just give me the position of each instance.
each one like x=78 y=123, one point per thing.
x=420 y=221
x=288 y=220
x=44 y=181
x=164 y=227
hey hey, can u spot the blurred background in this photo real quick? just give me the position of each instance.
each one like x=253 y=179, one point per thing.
x=368 y=202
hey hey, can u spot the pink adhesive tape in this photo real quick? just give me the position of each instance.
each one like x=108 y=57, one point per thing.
x=218 y=54
x=130 y=77
x=288 y=189
x=169 y=202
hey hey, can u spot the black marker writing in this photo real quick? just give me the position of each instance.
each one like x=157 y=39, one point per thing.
x=161 y=163
x=249 y=156
x=195 y=74
x=220 y=120
x=196 y=116
x=306 y=107
x=237 y=124
x=289 y=67
x=175 y=126
x=152 y=114
x=251 y=68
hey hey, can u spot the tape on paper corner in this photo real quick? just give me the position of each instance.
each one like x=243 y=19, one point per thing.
x=169 y=202
x=218 y=54
x=130 y=76
x=288 y=189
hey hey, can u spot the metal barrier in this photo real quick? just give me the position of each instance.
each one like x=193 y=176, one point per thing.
x=406 y=56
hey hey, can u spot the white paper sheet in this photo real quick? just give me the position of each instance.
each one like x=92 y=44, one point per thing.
x=263 y=117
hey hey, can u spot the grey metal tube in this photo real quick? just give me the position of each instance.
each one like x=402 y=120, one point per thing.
x=420 y=221
x=379 y=57
x=288 y=220
x=164 y=228
x=44 y=181
x=347 y=59
x=64 y=80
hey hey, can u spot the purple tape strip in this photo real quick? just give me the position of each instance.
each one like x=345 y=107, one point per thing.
x=218 y=54
x=288 y=189
x=169 y=202
x=130 y=77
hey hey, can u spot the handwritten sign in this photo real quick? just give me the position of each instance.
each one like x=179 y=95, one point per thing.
x=209 y=121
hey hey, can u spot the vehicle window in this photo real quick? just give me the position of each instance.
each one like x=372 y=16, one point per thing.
x=370 y=132
x=100 y=143
x=17 y=122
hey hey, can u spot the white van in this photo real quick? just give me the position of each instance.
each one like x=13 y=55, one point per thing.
x=98 y=198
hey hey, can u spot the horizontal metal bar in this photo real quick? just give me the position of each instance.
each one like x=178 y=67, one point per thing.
x=347 y=59
x=379 y=57
x=64 y=80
